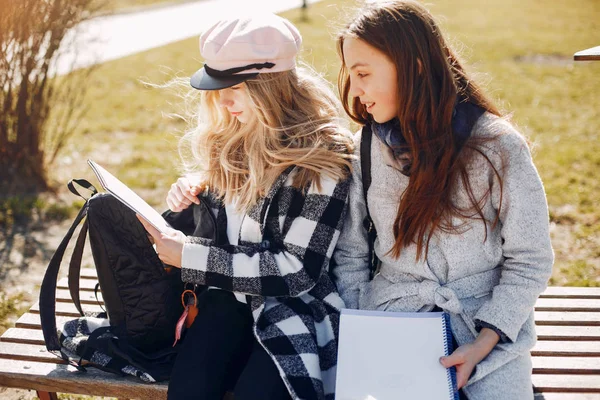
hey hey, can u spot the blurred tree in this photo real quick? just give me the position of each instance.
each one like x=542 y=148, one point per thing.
x=31 y=32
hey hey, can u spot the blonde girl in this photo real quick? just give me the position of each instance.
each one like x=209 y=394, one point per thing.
x=272 y=165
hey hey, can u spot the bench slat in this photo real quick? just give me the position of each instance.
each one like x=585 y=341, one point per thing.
x=21 y=335
x=66 y=379
x=89 y=304
x=551 y=304
x=88 y=273
x=32 y=321
x=544 y=303
x=545 y=332
x=63 y=296
x=541 y=317
x=566 y=383
x=565 y=292
x=553 y=292
x=87 y=285
x=566 y=348
x=566 y=365
x=68 y=309
x=27 y=352
x=567 y=396
x=571 y=292
x=576 y=318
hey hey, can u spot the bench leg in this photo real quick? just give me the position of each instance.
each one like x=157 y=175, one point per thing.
x=47 y=395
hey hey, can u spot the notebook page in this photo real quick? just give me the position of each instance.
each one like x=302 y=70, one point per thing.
x=391 y=356
x=128 y=197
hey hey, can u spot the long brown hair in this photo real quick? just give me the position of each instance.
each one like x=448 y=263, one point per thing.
x=430 y=80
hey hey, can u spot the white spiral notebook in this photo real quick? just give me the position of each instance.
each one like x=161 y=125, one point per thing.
x=394 y=356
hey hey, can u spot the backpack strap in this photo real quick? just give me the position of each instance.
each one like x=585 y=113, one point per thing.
x=75 y=264
x=365 y=167
x=75 y=267
x=47 y=300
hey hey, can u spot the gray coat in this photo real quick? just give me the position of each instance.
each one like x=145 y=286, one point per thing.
x=494 y=280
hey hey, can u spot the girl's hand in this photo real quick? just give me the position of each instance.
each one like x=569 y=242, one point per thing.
x=467 y=356
x=182 y=194
x=169 y=246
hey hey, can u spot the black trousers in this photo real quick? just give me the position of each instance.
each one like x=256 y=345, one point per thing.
x=219 y=353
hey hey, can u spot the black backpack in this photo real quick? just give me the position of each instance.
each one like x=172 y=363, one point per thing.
x=142 y=299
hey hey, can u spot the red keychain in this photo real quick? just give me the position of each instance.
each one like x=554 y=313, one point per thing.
x=189 y=313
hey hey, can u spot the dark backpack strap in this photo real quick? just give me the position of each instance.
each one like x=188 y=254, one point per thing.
x=47 y=300
x=83 y=183
x=365 y=167
x=75 y=264
x=48 y=289
x=75 y=267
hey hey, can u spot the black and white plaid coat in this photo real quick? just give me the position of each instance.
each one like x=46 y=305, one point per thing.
x=282 y=262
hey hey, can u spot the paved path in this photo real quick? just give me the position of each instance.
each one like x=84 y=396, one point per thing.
x=107 y=38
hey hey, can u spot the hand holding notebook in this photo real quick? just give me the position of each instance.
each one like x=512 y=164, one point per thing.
x=466 y=357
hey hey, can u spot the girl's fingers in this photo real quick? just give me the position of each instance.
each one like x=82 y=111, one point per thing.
x=450 y=360
x=182 y=194
x=462 y=375
x=176 y=194
x=173 y=205
x=149 y=228
x=176 y=201
x=194 y=191
x=187 y=190
x=170 y=203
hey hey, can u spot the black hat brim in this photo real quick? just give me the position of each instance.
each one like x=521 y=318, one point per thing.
x=203 y=81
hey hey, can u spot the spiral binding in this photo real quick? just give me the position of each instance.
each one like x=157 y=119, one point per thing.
x=448 y=349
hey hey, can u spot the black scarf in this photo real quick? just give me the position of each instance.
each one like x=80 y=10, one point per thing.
x=464 y=117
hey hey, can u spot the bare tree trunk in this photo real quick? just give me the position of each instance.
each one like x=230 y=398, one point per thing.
x=30 y=35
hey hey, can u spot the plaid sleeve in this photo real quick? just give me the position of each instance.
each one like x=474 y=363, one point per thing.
x=289 y=268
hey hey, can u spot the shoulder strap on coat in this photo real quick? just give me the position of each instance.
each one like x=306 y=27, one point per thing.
x=365 y=160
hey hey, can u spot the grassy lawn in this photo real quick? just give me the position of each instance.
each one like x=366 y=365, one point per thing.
x=521 y=49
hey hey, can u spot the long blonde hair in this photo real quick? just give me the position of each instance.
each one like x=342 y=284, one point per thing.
x=297 y=123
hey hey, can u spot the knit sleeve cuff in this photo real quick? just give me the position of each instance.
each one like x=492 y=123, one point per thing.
x=479 y=325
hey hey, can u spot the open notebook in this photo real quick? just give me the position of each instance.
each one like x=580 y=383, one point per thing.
x=128 y=197
x=393 y=356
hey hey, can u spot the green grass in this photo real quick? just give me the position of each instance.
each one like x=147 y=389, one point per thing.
x=520 y=49
x=10 y=308
x=15 y=209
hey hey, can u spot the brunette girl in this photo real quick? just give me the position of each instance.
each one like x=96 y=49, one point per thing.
x=458 y=206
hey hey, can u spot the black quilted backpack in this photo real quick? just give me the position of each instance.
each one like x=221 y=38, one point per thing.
x=142 y=297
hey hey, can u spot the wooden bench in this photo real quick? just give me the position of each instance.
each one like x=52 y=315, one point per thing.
x=566 y=359
x=592 y=54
